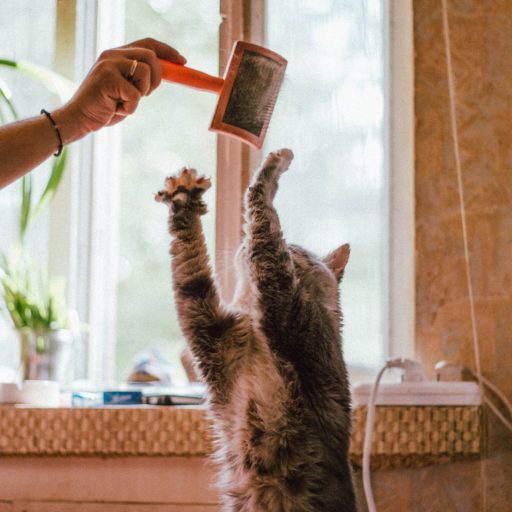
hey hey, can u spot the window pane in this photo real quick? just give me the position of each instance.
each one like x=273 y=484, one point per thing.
x=27 y=32
x=331 y=113
x=169 y=131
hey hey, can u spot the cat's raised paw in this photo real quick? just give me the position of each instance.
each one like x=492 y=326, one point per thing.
x=183 y=187
x=281 y=159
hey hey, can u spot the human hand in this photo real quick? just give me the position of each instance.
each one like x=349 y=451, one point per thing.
x=114 y=86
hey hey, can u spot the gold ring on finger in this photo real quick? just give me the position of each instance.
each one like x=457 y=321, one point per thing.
x=133 y=68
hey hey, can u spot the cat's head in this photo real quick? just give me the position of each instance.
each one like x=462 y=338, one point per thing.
x=319 y=278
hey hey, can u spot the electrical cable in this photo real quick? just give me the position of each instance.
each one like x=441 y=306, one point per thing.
x=411 y=368
x=460 y=186
x=482 y=381
x=367 y=445
x=499 y=394
x=500 y=416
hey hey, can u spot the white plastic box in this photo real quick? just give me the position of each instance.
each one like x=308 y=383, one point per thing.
x=419 y=393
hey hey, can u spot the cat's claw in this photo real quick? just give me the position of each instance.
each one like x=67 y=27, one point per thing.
x=281 y=158
x=178 y=188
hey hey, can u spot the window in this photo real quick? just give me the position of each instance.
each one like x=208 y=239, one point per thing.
x=27 y=29
x=352 y=162
x=169 y=132
x=332 y=112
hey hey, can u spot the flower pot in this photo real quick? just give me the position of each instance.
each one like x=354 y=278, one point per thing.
x=46 y=355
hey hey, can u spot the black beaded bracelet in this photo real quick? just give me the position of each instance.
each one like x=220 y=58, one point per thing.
x=57 y=131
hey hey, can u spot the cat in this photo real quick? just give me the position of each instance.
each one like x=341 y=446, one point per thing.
x=278 y=389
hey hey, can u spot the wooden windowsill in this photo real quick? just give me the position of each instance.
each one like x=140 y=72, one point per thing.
x=403 y=435
x=149 y=431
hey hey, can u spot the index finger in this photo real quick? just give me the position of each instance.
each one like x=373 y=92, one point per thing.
x=162 y=50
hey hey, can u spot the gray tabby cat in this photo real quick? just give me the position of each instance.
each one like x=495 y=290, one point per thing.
x=278 y=389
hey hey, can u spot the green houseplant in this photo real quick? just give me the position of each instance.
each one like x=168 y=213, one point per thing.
x=62 y=88
x=35 y=303
x=36 y=307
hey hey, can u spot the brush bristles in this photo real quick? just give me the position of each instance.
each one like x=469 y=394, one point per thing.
x=254 y=93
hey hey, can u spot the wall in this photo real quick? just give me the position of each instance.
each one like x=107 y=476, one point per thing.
x=107 y=484
x=482 y=61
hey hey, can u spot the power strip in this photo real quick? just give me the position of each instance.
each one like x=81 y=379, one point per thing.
x=419 y=393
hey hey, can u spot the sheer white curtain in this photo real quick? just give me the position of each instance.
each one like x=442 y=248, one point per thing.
x=332 y=112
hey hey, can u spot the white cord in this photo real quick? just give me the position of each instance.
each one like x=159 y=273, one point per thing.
x=412 y=372
x=453 y=117
x=499 y=394
x=458 y=168
x=367 y=446
x=500 y=416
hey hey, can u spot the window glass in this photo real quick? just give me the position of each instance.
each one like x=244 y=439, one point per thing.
x=27 y=32
x=169 y=131
x=331 y=113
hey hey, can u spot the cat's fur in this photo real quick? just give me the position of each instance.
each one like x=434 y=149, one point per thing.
x=278 y=389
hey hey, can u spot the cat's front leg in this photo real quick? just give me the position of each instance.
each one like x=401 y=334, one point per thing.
x=268 y=257
x=206 y=324
x=265 y=179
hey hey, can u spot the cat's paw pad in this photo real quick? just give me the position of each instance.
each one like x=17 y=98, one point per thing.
x=186 y=186
x=281 y=159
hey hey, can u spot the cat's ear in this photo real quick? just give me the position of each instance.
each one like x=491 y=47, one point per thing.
x=337 y=260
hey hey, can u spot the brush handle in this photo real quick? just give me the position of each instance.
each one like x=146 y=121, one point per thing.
x=190 y=77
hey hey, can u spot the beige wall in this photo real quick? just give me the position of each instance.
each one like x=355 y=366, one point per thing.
x=482 y=60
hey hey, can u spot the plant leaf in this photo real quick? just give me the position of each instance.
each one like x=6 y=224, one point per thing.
x=26 y=203
x=31 y=299
x=63 y=88
x=54 y=82
x=53 y=184
x=5 y=96
x=8 y=62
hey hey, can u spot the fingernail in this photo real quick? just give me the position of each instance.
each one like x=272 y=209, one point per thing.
x=182 y=59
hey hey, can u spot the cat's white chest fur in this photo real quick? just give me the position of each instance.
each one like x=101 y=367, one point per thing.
x=261 y=386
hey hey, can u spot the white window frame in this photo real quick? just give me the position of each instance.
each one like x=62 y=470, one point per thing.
x=402 y=277
x=83 y=244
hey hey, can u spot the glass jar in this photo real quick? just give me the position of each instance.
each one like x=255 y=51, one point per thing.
x=46 y=354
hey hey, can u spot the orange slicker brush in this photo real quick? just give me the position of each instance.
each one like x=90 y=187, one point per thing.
x=247 y=93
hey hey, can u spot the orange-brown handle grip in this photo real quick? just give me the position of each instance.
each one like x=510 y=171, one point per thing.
x=190 y=77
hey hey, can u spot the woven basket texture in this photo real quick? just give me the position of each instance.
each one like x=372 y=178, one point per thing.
x=403 y=435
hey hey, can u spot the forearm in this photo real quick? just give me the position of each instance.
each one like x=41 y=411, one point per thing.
x=110 y=92
x=26 y=144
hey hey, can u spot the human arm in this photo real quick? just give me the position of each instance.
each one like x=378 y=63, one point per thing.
x=106 y=96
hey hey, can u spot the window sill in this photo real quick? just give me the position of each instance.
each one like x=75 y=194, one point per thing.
x=404 y=435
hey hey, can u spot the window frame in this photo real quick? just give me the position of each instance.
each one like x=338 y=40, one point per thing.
x=83 y=244
x=401 y=311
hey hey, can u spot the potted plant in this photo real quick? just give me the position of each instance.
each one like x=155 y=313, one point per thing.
x=35 y=303
x=36 y=307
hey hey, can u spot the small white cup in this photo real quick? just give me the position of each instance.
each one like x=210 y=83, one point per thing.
x=42 y=393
